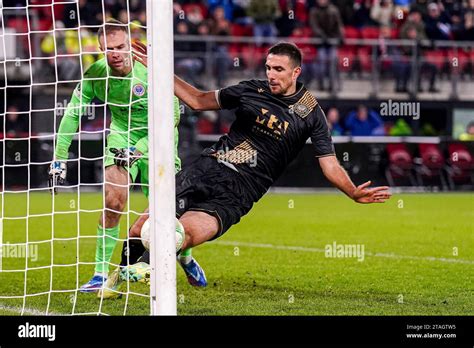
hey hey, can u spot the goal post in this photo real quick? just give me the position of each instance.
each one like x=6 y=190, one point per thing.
x=51 y=244
x=161 y=154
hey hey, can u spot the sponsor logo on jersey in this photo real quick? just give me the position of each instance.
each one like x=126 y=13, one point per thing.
x=274 y=126
x=139 y=90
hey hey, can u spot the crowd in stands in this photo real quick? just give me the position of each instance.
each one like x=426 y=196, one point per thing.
x=332 y=22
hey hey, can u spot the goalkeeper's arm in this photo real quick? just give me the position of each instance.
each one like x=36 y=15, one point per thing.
x=67 y=128
x=70 y=122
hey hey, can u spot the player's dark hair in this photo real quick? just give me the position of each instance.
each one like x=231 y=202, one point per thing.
x=112 y=25
x=287 y=49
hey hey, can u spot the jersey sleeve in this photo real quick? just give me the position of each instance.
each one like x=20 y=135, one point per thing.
x=229 y=97
x=321 y=136
x=81 y=98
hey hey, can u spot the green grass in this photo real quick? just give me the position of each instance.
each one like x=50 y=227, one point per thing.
x=247 y=276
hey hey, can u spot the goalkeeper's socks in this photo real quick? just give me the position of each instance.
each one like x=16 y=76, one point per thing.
x=135 y=249
x=103 y=253
x=186 y=256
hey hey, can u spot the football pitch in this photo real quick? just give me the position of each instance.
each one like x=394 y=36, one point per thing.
x=293 y=254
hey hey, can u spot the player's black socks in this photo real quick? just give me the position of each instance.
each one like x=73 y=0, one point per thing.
x=135 y=250
x=145 y=257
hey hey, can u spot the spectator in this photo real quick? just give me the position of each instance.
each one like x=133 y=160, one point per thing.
x=413 y=29
x=220 y=26
x=264 y=13
x=361 y=17
x=195 y=18
x=467 y=29
x=400 y=128
x=137 y=31
x=364 y=122
x=63 y=42
x=187 y=65
x=292 y=14
x=227 y=5
x=438 y=26
x=414 y=20
x=308 y=65
x=382 y=12
x=239 y=15
x=469 y=134
x=326 y=24
x=333 y=122
x=404 y=63
x=16 y=126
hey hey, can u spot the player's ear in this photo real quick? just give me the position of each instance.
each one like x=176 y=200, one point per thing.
x=296 y=73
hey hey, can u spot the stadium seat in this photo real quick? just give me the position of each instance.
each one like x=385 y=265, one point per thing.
x=351 y=33
x=370 y=33
x=461 y=165
x=436 y=57
x=431 y=164
x=400 y=164
x=462 y=58
x=241 y=30
x=347 y=54
x=364 y=55
x=191 y=7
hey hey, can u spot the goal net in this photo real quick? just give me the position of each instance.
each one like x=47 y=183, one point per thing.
x=54 y=72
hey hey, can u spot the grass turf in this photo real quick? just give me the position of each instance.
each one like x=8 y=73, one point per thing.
x=419 y=258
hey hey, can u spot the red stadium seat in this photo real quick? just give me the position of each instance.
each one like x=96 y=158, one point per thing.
x=241 y=30
x=191 y=7
x=346 y=58
x=436 y=57
x=364 y=55
x=461 y=58
x=351 y=33
x=432 y=163
x=370 y=33
x=400 y=164
x=461 y=164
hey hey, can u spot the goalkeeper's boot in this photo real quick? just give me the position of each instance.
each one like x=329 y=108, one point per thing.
x=194 y=273
x=138 y=272
x=93 y=285
x=109 y=291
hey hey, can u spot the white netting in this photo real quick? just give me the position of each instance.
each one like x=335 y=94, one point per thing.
x=48 y=241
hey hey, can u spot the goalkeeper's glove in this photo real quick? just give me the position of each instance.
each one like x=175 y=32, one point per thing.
x=57 y=175
x=126 y=157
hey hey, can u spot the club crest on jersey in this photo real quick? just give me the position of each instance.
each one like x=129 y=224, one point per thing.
x=139 y=90
x=300 y=109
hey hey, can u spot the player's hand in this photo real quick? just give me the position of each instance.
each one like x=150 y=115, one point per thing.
x=139 y=52
x=57 y=175
x=364 y=194
x=126 y=157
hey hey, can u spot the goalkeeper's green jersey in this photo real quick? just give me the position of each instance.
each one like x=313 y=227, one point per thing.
x=127 y=99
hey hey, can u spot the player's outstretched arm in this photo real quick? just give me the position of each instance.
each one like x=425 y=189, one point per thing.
x=195 y=98
x=339 y=178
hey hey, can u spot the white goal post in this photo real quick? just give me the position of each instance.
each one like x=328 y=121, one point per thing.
x=161 y=145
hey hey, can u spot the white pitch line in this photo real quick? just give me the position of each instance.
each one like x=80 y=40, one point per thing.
x=27 y=311
x=318 y=250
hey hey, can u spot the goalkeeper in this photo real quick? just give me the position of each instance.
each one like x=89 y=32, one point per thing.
x=121 y=83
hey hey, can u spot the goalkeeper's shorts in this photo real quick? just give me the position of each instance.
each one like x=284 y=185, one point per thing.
x=140 y=167
x=211 y=187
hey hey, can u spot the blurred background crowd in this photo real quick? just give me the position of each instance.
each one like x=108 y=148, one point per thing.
x=358 y=54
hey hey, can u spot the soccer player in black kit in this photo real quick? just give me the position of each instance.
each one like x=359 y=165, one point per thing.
x=274 y=118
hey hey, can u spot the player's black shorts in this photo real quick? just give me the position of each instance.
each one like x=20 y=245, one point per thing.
x=209 y=186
